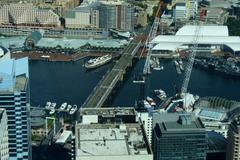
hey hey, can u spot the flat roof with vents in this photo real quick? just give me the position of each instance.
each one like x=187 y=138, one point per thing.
x=110 y=140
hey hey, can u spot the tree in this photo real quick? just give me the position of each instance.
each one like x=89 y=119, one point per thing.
x=233 y=26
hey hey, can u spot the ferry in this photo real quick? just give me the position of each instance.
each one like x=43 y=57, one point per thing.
x=96 y=62
x=73 y=109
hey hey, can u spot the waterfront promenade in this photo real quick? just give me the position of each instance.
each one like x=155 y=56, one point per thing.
x=59 y=57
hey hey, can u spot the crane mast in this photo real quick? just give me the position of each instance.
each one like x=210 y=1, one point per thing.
x=191 y=58
x=152 y=34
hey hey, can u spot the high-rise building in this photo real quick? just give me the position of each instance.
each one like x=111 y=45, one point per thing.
x=116 y=15
x=4 y=152
x=146 y=119
x=233 y=147
x=178 y=136
x=14 y=97
x=184 y=9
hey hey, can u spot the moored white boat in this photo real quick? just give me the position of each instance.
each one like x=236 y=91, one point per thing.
x=68 y=107
x=161 y=94
x=48 y=105
x=63 y=106
x=146 y=104
x=53 y=105
x=52 y=111
x=151 y=101
x=73 y=109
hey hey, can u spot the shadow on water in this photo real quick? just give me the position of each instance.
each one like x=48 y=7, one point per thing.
x=53 y=152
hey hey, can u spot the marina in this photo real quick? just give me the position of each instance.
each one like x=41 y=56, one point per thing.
x=52 y=107
x=227 y=66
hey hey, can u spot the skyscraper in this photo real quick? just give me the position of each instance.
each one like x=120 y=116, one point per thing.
x=178 y=136
x=184 y=9
x=14 y=97
x=233 y=148
x=4 y=152
x=116 y=15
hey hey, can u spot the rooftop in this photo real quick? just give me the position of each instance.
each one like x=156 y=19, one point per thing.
x=76 y=43
x=18 y=42
x=217 y=103
x=189 y=30
x=21 y=83
x=64 y=136
x=14 y=74
x=114 y=2
x=216 y=35
x=108 y=111
x=171 y=122
x=211 y=114
x=110 y=139
x=35 y=36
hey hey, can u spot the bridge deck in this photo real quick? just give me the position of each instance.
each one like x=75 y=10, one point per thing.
x=110 y=79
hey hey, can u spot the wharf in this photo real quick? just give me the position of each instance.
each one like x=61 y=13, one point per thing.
x=58 y=56
x=110 y=79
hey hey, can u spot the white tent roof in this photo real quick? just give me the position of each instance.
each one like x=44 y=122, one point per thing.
x=189 y=30
x=169 y=42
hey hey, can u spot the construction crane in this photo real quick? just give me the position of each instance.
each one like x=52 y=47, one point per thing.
x=191 y=58
x=152 y=34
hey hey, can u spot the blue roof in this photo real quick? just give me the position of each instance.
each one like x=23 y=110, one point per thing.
x=211 y=114
x=7 y=75
x=6 y=67
x=21 y=66
x=17 y=41
x=9 y=70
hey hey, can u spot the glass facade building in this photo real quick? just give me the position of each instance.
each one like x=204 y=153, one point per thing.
x=233 y=138
x=14 y=97
x=4 y=151
x=116 y=15
x=179 y=137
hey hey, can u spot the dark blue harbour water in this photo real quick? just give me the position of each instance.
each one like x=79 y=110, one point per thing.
x=62 y=82
x=69 y=82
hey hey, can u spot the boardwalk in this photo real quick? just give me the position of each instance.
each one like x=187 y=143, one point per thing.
x=110 y=79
